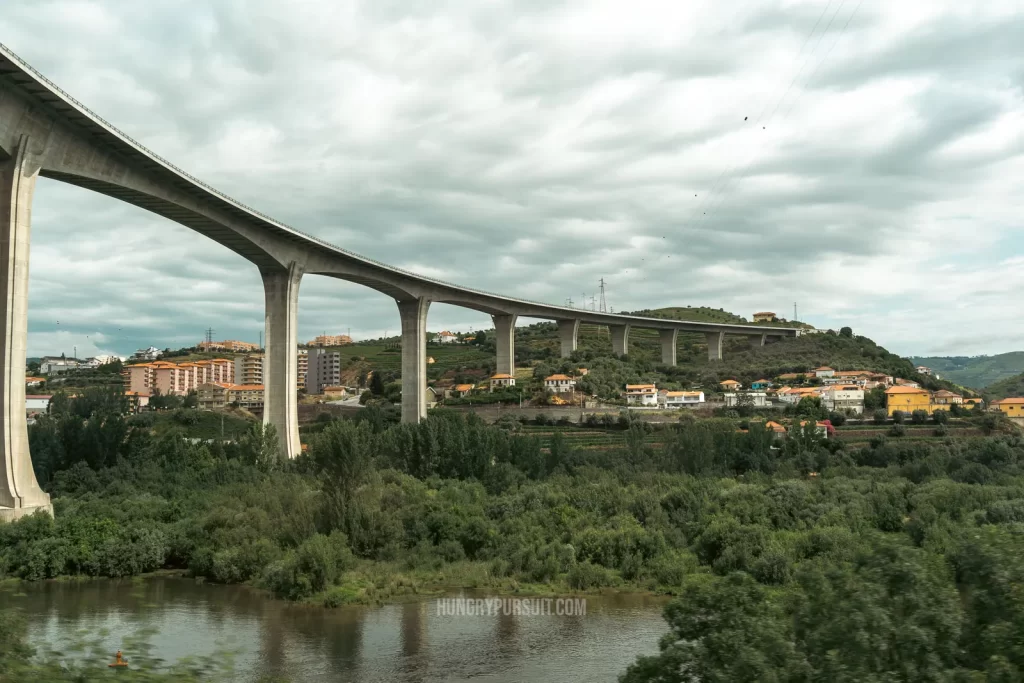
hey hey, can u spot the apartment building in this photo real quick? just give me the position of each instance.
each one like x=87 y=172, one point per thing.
x=228 y=345
x=249 y=369
x=303 y=369
x=222 y=394
x=176 y=378
x=330 y=340
x=324 y=370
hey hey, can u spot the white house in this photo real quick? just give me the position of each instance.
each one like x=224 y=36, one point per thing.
x=921 y=369
x=54 y=365
x=844 y=397
x=152 y=353
x=446 y=337
x=36 y=403
x=641 y=395
x=680 y=399
x=824 y=371
x=501 y=382
x=758 y=399
x=559 y=384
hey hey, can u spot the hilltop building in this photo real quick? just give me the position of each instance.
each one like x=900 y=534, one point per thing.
x=330 y=340
x=152 y=353
x=228 y=345
x=446 y=337
x=765 y=317
x=1010 y=407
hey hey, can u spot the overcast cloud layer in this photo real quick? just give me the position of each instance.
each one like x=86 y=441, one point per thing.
x=863 y=159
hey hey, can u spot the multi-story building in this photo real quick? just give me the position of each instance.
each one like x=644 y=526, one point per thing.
x=303 y=366
x=324 y=370
x=764 y=317
x=152 y=353
x=214 y=395
x=178 y=379
x=843 y=398
x=249 y=369
x=680 y=399
x=502 y=381
x=228 y=345
x=946 y=398
x=907 y=399
x=331 y=340
x=641 y=395
x=824 y=371
x=56 y=365
x=559 y=384
x=1011 y=407
x=445 y=337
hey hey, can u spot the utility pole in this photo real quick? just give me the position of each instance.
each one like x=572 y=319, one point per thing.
x=209 y=336
x=795 y=317
x=604 y=302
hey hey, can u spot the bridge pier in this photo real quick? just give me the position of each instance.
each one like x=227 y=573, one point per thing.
x=758 y=340
x=668 y=346
x=413 y=313
x=715 y=340
x=281 y=364
x=505 y=341
x=19 y=490
x=568 y=333
x=620 y=339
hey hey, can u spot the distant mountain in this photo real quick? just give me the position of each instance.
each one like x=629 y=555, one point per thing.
x=1008 y=386
x=975 y=372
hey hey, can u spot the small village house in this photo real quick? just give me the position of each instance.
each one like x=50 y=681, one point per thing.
x=641 y=395
x=501 y=382
x=559 y=384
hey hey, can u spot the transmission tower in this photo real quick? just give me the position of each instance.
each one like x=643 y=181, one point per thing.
x=604 y=302
x=209 y=337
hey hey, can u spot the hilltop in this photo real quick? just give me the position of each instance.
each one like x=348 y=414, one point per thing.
x=1009 y=386
x=977 y=371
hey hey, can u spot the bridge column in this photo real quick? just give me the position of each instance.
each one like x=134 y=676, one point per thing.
x=568 y=332
x=715 y=340
x=19 y=491
x=414 y=358
x=620 y=339
x=505 y=341
x=758 y=340
x=281 y=363
x=668 y=346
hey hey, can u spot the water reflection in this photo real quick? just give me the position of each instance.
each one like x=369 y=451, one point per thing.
x=407 y=642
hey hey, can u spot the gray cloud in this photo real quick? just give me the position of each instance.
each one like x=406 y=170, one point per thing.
x=532 y=148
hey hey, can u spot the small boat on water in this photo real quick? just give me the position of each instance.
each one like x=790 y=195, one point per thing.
x=119 y=661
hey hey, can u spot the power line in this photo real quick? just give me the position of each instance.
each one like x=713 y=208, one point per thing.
x=718 y=200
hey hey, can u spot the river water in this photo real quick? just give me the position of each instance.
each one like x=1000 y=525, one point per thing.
x=405 y=642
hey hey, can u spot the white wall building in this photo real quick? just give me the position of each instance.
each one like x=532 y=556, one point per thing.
x=152 y=353
x=446 y=337
x=641 y=395
x=502 y=381
x=758 y=399
x=680 y=399
x=824 y=371
x=55 y=365
x=843 y=398
x=37 y=403
x=559 y=384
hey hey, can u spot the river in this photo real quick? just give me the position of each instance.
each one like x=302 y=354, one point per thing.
x=404 y=642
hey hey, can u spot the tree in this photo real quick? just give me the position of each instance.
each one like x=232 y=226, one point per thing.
x=940 y=416
x=919 y=417
x=377 y=386
x=875 y=398
x=898 y=417
x=845 y=332
x=880 y=417
x=259 y=446
x=481 y=338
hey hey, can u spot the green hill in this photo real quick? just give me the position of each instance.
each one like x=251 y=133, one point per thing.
x=974 y=371
x=1008 y=386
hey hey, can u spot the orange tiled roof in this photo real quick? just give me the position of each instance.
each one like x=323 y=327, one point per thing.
x=905 y=390
x=551 y=378
x=463 y=387
x=639 y=387
x=1014 y=400
x=774 y=426
x=823 y=368
x=682 y=393
x=729 y=381
x=502 y=375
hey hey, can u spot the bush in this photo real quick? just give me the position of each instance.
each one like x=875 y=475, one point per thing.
x=772 y=568
x=898 y=429
x=837 y=419
x=586 y=575
x=898 y=417
x=880 y=417
x=940 y=417
x=186 y=416
x=919 y=417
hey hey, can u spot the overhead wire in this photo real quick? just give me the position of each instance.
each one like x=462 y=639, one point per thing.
x=716 y=202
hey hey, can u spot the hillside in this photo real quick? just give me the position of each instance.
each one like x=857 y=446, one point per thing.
x=1008 y=386
x=974 y=371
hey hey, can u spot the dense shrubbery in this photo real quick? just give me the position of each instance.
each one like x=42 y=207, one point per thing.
x=807 y=555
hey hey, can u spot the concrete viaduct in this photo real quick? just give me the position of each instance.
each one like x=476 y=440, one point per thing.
x=45 y=132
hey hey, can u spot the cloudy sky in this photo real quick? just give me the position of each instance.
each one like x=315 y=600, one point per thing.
x=862 y=158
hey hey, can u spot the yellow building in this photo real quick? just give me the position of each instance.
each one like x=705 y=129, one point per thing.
x=1010 y=407
x=908 y=399
x=764 y=317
